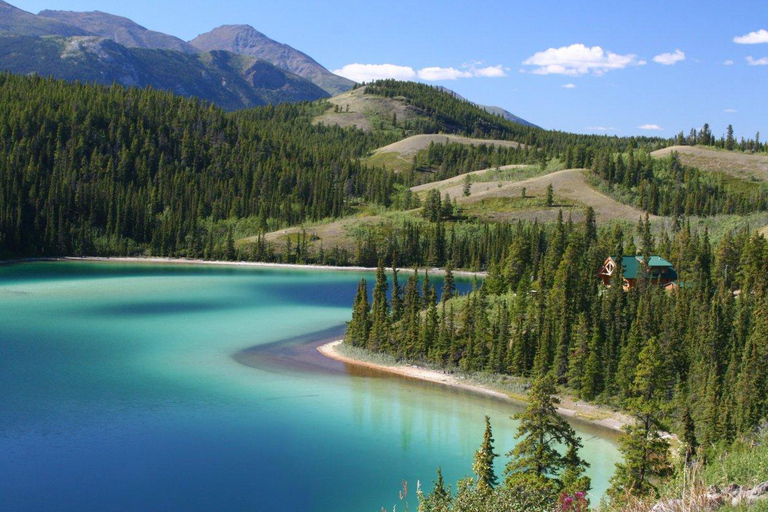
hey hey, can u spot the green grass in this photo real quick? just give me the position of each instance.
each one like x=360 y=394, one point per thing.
x=391 y=161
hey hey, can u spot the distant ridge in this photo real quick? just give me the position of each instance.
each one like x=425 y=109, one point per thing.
x=15 y=21
x=246 y=40
x=231 y=81
x=119 y=29
x=498 y=111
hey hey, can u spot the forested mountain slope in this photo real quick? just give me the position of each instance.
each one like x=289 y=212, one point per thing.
x=86 y=169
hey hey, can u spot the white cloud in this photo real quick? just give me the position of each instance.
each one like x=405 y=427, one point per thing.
x=651 y=127
x=601 y=128
x=435 y=73
x=760 y=36
x=728 y=62
x=669 y=59
x=757 y=62
x=578 y=59
x=368 y=72
x=730 y=111
x=489 y=72
x=569 y=86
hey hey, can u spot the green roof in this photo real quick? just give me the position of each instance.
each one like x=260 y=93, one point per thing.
x=657 y=261
x=631 y=264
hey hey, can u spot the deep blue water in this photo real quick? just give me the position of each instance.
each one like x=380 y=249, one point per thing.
x=123 y=388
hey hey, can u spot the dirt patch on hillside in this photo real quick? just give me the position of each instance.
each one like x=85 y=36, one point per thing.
x=360 y=110
x=741 y=165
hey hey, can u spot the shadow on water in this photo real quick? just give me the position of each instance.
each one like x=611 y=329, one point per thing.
x=154 y=308
x=297 y=354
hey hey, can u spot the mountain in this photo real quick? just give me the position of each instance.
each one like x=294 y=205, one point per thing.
x=509 y=116
x=231 y=81
x=497 y=111
x=15 y=21
x=121 y=30
x=245 y=40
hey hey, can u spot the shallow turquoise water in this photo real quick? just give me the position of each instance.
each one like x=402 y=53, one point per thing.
x=119 y=392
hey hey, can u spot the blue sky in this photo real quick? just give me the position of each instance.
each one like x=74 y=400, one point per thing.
x=581 y=66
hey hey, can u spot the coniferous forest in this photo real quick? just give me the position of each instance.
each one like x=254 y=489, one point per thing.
x=90 y=170
x=691 y=361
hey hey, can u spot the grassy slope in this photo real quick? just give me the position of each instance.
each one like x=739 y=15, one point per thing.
x=572 y=192
x=366 y=112
x=398 y=156
x=740 y=165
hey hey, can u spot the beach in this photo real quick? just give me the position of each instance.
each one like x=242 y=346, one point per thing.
x=258 y=264
x=578 y=410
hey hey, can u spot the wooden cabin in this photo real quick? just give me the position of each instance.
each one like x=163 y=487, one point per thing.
x=657 y=270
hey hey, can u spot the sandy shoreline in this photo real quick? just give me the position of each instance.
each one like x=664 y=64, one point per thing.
x=578 y=410
x=288 y=266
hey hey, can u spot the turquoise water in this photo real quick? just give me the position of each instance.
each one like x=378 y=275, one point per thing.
x=123 y=388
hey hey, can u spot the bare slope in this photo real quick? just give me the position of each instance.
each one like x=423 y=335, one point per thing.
x=398 y=156
x=570 y=184
x=412 y=145
x=363 y=111
x=740 y=165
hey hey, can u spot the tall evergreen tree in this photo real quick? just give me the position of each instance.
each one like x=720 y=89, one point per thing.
x=484 y=457
x=535 y=461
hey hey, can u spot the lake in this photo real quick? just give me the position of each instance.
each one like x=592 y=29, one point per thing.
x=161 y=387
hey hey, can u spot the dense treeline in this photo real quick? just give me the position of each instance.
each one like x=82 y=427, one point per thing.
x=87 y=169
x=452 y=158
x=94 y=170
x=541 y=310
x=666 y=187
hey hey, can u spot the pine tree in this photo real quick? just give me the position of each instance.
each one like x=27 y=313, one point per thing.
x=535 y=460
x=378 y=338
x=359 y=327
x=690 y=444
x=467 y=185
x=484 y=457
x=439 y=499
x=397 y=297
x=449 y=286
x=646 y=453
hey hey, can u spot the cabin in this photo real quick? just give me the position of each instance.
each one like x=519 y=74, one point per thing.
x=657 y=270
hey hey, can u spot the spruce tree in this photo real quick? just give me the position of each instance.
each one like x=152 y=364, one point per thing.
x=690 y=444
x=535 y=460
x=484 y=457
x=359 y=327
x=646 y=452
x=378 y=338
x=449 y=287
